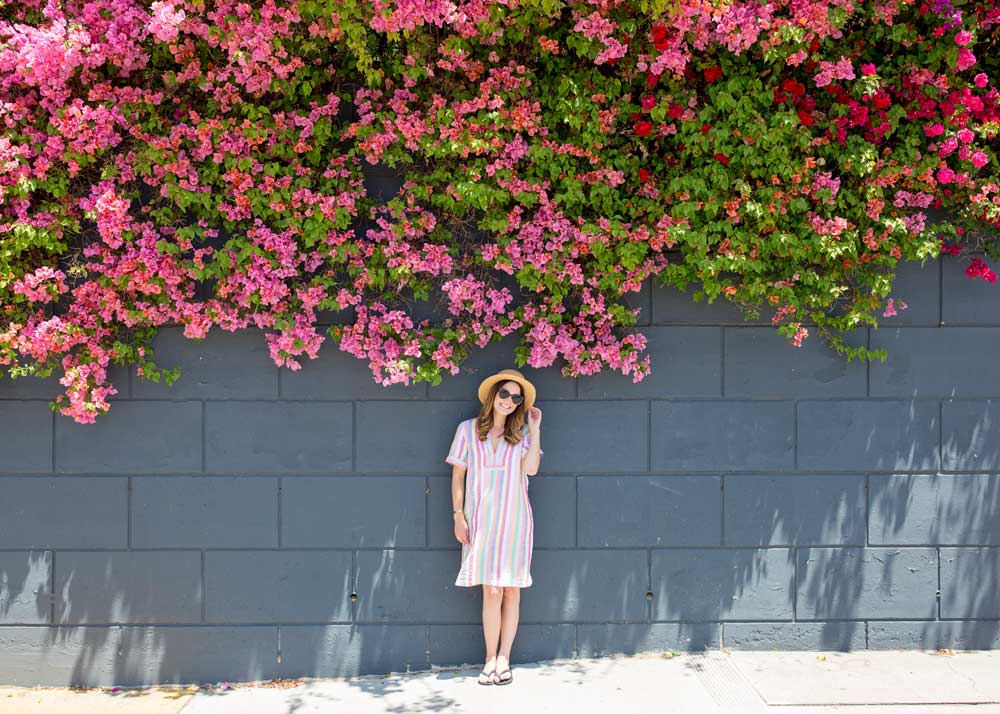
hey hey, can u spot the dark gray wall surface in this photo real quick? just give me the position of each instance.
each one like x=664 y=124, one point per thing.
x=251 y=522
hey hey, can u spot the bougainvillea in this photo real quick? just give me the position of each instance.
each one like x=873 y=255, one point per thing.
x=202 y=164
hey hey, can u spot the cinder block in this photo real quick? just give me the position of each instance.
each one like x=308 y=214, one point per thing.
x=794 y=636
x=934 y=509
x=278 y=438
x=127 y=587
x=795 y=509
x=195 y=655
x=684 y=362
x=586 y=586
x=593 y=436
x=407 y=437
x=351 y=650
x=970 y=434
x=336 y=374
x=919 y=286
x=604 y=640
x=921 y=362
x=413 y=586
x=553 y=509
x=649 y=511
x=863 y=435
x=864 y=583
x=932 y=636
x=965 y=300
x=26 y=446
x=482 y=362
x=53 y=512
x=49 y=388
x=722 y=584
x=349 y=511
x=454 y=645
x=642 y=300
x=25 y=588
x=969 y=578
x=204 y=512
x=672 y=306
x=761 y=362
x=58 y=656
x=281 y=586
x=224 y=365
x=715 y=435
x=143 y=437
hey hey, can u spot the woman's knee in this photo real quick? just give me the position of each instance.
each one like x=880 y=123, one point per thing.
x=493 y=592
x=511 y=593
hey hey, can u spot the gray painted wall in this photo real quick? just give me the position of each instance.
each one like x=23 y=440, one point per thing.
x=251 y=522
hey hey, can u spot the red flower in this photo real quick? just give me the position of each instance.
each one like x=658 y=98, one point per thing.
x=660 y=36
x=644 y=175
x=705 y=128
x=675 y=111
x=721 y=158
x=642 y=128
x=793 y=87
x=805 y=118
x=713 y=73
x=652 y=79
x=814 y=45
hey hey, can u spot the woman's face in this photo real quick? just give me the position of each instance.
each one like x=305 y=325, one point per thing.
x=506 y=406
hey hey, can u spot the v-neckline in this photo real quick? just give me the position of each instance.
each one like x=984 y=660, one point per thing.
x=494 y=449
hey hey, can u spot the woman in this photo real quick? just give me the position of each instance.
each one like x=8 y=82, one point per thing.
x=492 y=456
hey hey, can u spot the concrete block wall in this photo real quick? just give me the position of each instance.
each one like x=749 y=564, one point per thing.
x=250 y=522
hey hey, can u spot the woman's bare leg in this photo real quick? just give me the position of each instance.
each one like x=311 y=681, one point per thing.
x=492 y=596
x=508 y=628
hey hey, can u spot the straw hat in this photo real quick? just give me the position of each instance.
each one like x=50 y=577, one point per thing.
x=502 y=376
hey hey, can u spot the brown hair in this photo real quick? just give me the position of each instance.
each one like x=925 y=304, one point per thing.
x=515 y=420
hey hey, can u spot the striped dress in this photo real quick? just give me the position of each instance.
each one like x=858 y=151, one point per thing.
x=501 y=530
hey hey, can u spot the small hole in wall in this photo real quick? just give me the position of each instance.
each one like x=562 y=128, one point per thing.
x=354 y=597
x=649 y=596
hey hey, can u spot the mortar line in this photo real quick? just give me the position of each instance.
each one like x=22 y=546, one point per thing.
x=427 y=513
x=280 y=482
x=354 y=437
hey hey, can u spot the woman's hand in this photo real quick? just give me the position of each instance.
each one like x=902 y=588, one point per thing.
x=461 y=529
x=534 y=419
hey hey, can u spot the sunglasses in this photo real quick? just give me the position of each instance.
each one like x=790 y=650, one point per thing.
x=516 y=398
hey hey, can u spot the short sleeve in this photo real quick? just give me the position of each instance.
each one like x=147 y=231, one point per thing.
x=458 y=455
x=526 y=444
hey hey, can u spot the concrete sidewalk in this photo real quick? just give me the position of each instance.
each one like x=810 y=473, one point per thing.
x=718 y=681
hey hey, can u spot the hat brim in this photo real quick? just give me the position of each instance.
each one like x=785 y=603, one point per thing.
x=527 y=387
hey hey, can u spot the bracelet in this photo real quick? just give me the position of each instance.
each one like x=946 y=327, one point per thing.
x=457 y=510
